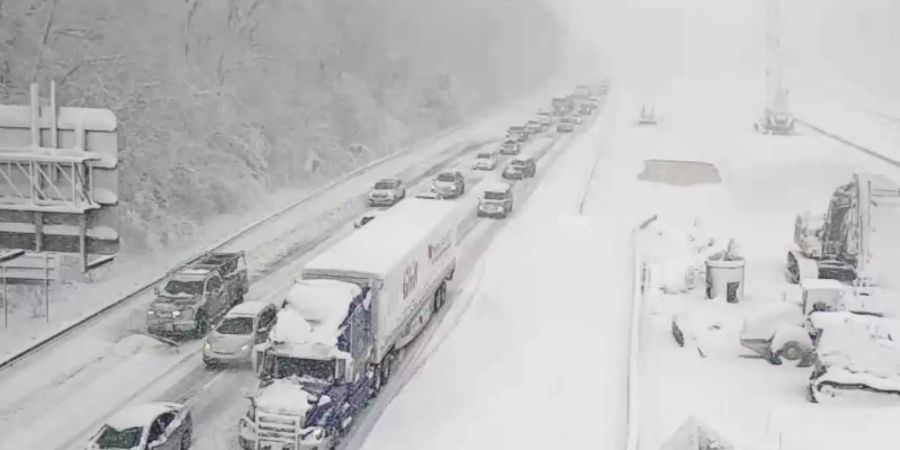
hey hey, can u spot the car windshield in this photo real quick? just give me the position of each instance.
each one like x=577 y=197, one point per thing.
x=317 y=369
x=446 y=177
x=178 y=287
x=236 y=325
x=509 y=143
x=494 y=195
x=113 y=438
x=484 y=156
x=384 y=185
x=518 y=163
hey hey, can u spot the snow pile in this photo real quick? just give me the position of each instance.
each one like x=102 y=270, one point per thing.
x=713 y=327
x=283 y=397
x=675 y=257
x=861 y=348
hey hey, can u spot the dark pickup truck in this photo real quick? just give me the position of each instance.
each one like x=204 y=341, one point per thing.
x=197 y=294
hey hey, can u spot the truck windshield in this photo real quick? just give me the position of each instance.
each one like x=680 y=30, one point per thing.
x=176 y=287
x=321 y=370
x=384 y=185
x=113 y=438
x=236 y=325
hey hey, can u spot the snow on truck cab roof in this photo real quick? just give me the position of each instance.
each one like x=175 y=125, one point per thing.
x=309 y=324
x=376 y=249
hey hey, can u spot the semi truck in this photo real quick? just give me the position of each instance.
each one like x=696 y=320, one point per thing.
x=338 y=334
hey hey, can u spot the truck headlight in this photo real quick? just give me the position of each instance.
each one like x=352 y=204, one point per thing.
x=150 y=312
x=245 y=347
x=207 y=346
x=176 y=313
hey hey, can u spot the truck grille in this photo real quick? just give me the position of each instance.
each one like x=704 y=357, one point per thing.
x=276 y=428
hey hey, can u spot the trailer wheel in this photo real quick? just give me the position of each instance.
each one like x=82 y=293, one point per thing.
x=384 y=372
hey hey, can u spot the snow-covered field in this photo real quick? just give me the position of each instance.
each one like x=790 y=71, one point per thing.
x=766 y=181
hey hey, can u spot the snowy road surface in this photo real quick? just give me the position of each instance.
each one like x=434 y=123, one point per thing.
x=81 y=380
x=130 y=272
x=535 y=354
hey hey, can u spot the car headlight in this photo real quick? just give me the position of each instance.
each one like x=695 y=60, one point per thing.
x=245 y=347
x=150 y=312
x=176 y=313
x=207 y=346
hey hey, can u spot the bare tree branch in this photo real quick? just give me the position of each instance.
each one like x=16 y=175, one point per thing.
x=40 y=57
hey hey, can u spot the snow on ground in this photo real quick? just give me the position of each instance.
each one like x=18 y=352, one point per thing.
x=538 y=360
x=216 y=402
x=90 y=361
x=72 y=301
x=766 y=181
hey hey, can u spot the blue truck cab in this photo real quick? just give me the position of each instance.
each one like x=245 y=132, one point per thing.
x=314 y=370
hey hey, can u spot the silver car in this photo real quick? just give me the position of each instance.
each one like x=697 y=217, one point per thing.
x=244 y=326
x=156 y=426
x=387 y=192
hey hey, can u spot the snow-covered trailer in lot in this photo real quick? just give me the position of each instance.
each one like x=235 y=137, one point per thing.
x=404 y=257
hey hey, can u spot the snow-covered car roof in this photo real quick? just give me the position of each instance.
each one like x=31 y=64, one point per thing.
x=140 y=415
x=497 y=187
x=248 y=308
x=430 y=195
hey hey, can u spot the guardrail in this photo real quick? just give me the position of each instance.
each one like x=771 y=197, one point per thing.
x=145 y=286
x=632 y=436
x=848 y=142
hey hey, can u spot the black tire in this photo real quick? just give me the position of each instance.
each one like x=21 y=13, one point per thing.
x=791 y=351
x=186 y=440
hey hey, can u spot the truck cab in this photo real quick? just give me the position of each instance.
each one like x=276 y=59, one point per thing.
x=314 y=370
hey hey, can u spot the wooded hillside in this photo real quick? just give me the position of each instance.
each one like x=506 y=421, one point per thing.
x=224 y=101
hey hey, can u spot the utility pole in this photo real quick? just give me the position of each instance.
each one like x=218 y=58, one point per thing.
x=776 y=95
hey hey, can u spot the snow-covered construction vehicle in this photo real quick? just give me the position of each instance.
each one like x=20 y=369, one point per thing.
x=855 y=356
x=775 y=121
x=856 y=240
x=197 y=294
x=341 y=329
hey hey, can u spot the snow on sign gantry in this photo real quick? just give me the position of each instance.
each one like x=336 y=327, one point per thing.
x=59 y=166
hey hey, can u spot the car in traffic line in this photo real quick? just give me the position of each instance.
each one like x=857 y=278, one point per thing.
x=150 y=426
x=485 y=161
x=430 y=194
x=565 y=125
x=510 y=147
x=534 y=127
x=450 y=184
x=520 y=168
x=387 y=192
x=496 y=201
x=244 y=326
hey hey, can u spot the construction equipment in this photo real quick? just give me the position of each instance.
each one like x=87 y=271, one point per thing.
x=839 y=244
